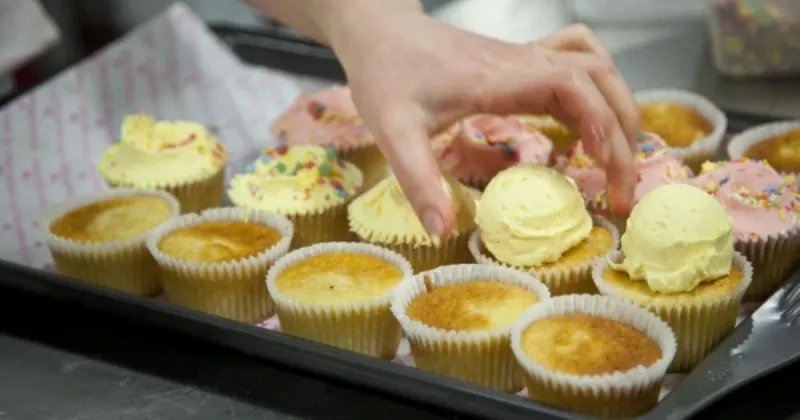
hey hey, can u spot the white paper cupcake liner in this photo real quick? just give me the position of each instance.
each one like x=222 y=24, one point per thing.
x=740 y=143
x=230 y=289
x=771 y=257
x=698 y=325
x=701 y=150
x=621 y=394
x=366 y=326
x=480 y=357
x=560 y=281
x=124 y=265
x=454 y=250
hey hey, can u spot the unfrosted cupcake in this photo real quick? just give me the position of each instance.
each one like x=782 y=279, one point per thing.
x=383 y=216
x=688 y=122
x=101 y=238
x=478 y=147
x=533 y=218
x=182 y=158
x=777 y=143
x=765 y=208
x=339 y=294
x=458 y=318
x=561 y=136
x=678 y=261
x=655 y=166
x=215 y=261
x=329 y=118
x=308 y=184
x=593 y=355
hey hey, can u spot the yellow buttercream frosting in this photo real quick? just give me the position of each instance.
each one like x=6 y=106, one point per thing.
x=678 y=236
x=384 y=215
x=530 y=215
x=296 y=180
x=157 y=154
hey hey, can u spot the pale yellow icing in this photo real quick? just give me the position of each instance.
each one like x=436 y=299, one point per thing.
x=296 y=180
x=530 y=215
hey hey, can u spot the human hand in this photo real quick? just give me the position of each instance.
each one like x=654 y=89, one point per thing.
x=412 y=76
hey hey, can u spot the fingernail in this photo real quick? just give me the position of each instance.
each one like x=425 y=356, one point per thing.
x=433 y=223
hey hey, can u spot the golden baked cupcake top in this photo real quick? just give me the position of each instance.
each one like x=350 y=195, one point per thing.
x=679 y=125
x=477 y=305
x=113 y=219
x=155 y=154
x=296 y=180
x=781 y=151
x=338 y=278
x=218 y=241
x=581 y=344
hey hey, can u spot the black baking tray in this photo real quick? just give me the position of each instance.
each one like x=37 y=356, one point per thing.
x=278 y=48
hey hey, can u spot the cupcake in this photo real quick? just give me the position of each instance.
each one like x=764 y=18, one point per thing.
x=339 y=294
x=329 y=119
x=180 y=157
x=593 y=355
x=533 y=218
x=688 y=122
x=655 y=166
x=561 y=136
x=215 y=261
x=765 y=208
x=101 y=238
x=308 y=184
x=383 y=216
x=478 y=147
x=777 y=143
x=678 y=261
x=458 y=318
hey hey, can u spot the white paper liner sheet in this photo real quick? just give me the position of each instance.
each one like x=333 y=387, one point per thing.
x=740 y=143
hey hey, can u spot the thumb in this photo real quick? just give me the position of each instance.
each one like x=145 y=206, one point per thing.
x=403 y=139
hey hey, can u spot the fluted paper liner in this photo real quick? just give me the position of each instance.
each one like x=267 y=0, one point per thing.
x=698 y=324
x=705 y=148
x=370 y=160
x=124 y=265
x=366 y=326
x=560 y=281
x=772 y=256
x=480 y=357
x=620 y=394
x=740 y=143
x=229 y=289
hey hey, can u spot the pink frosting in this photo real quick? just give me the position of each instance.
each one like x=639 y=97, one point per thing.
x=480 y=146
x=760 y=200
x=326 y=118
x=654 y=167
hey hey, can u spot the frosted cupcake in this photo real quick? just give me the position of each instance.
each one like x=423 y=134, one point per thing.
x=182 y=158
x=215 y=261
x=655 y=166
x=383 y=216
x=561 y=136
x=690 y=124
x=339 y=294
x=458 y=318
x=308 y=184
x=101 y=238
x=593 y=355
x=480 y=146
x=678 y=261
x=765 y=208
x=533 y=218
x=329 y=118
x=777 y=143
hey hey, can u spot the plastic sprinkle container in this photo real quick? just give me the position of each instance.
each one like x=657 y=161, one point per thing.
x=752 y=38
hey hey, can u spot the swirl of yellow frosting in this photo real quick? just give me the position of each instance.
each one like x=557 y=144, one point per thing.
x=296 y=180
x=156 y=154
x=530 y=215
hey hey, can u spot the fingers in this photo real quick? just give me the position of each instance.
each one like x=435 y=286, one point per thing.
x=404 y=142
x=578 y=38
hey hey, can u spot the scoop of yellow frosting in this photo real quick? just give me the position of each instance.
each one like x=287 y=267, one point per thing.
x=155 y=154
x=677 y=237
x=384 y=215
x=296 y=180
x=530 y=215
